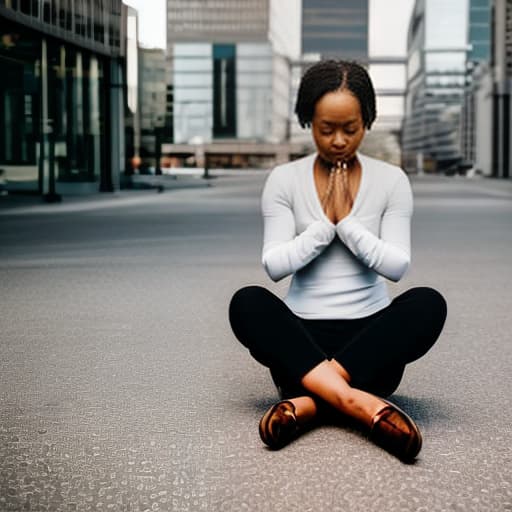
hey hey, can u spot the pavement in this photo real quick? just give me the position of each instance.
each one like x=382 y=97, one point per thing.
x=142 y=186
x=123 y=388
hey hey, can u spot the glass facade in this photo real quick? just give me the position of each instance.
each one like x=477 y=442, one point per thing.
x=230 y=69
x=437 y=56
x=75 y=110
x=54 y=106
x=152 y=100
x=224 y=90
x=254 y=91
x=95 y=21
x=336 y=29
x=192 y=91
x=20 y=106
x=480 y=30
x=207 y=19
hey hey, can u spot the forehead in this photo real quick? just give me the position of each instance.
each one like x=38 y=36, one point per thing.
x=337 y=107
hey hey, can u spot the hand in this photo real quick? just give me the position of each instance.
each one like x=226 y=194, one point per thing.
x=338 y=203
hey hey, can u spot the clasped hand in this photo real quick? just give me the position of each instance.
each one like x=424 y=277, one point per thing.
x=339 y=202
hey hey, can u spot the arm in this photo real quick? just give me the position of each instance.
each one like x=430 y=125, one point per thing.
x=389 y=255
x=284 y=252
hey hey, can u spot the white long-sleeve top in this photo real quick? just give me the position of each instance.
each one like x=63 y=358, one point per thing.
x=337 y=269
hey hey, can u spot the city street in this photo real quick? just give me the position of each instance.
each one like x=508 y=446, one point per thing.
x=123 y=389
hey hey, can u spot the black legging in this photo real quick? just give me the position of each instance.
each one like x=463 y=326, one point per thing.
x=373 y=350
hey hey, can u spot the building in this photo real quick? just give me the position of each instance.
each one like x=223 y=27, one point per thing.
x=62 y=95
x=230 y=69
x=350 y=30
x=335 y=29
x=486 y=133
x=436 y=79
x=476 y=109
x=502 y=106
x=330 y=30
x=478 y=143
x=152 y=101
x=132 y=132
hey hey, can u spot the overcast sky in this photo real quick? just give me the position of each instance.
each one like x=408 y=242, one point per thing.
x=152 y=21
x=389 y=20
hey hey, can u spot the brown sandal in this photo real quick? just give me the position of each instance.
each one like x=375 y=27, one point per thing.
x=393 y=430
x=278 y=426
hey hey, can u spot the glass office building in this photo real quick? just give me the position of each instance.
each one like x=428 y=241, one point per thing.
x=436 y=77
x=348 y=30
x=59 y=63
x=230 y=68
x=480 y=33
x=152 y=96
x=475 y=112
x=336 y=29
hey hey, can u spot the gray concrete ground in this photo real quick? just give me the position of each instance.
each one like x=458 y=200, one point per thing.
x=123 y=389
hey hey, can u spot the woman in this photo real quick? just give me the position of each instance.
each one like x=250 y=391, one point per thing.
x=339 y=223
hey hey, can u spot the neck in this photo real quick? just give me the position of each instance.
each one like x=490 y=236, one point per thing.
x=328 y=165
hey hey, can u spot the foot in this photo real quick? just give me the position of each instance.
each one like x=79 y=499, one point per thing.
x=279 y=425
x=393 y=430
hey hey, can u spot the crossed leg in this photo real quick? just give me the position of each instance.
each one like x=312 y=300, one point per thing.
x=345 y=380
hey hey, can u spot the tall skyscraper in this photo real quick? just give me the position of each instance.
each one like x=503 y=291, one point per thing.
x=342 y=30
x=480 y=30
x=229 y=68
x=476 y=117
x=335 y=29
x=436 y=79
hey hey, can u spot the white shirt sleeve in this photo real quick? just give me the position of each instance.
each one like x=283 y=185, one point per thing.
x=285 y=252
x=389 y=255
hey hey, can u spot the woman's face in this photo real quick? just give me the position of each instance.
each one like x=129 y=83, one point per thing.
x=337 y=126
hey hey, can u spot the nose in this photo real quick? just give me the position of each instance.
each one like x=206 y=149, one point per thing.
x=339 y=140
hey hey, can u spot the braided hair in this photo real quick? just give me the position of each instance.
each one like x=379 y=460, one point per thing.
x=335 y=75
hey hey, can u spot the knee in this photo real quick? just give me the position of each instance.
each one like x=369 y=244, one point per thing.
x=435 y=302
x=245 y=300
x=433 y=306
x=245 y=296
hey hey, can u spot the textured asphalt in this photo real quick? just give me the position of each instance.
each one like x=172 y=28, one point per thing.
x=123 y=389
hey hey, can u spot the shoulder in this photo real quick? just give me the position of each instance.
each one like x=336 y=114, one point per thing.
x=383 y=175
x=381 y=170
x=291 y=170
x=283 y=176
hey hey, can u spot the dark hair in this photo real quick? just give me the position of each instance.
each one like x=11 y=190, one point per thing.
x=333 y=75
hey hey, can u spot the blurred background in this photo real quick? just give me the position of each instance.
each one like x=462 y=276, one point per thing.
x=94 y=92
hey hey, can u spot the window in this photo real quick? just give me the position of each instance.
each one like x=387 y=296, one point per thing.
x=99 y=23
x=79 y=17
x=55 y=13
x=47 y=14
x=224 y=89
x=64 y=15
x=25 y=7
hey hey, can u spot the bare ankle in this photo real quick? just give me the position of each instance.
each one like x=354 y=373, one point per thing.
x=305 y=408
x=359 y=404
